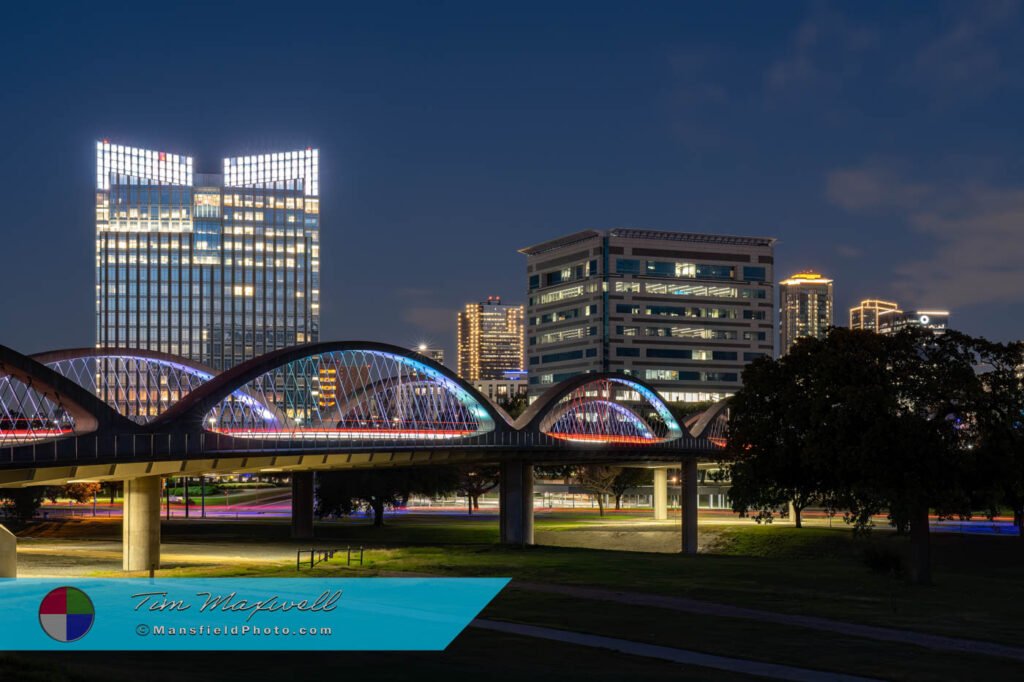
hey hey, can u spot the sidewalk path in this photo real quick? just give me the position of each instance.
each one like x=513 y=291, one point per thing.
x=929 y=641
x=737 y=665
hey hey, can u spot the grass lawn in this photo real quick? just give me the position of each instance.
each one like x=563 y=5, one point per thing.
x=817 y=571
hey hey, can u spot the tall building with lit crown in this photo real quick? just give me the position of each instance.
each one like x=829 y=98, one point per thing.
x=805 y=308
x=490 y=339
x=686 y=312
x=865 y=315
x=218 y=268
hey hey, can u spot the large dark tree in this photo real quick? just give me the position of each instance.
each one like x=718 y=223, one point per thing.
x=781 y=459
x=344 y=492
x=1001 y=427
x=867 y=423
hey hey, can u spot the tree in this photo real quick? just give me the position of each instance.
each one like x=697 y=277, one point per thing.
x=866 y=422
x=76 y=492
x=475 y=481
x=344 y=492
x=21 y=503
x=627 y=479
x=514 y=405
x=1001 y=427
x=774 y=457
x=599 y=480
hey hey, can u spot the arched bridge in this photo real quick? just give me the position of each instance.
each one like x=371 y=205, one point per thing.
x=120 y=414
x=104 y=413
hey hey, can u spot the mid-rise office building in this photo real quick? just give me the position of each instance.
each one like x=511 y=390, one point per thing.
x=685 y=312
x=490 y=339
x=936 y=321
x=435 y=354
x=511 y=385
x=865 y=315
x=805 y=308
x=218 y=268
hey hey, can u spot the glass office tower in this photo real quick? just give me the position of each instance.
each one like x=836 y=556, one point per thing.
x=218 y=268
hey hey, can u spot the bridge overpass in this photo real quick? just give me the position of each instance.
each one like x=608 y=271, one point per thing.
x=102 y=414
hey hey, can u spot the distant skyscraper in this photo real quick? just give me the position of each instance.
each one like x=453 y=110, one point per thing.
x=435 y=354
x=805 y=308
x=865 y=315
x=218 y=268
x=490 y=339
x=686 y=312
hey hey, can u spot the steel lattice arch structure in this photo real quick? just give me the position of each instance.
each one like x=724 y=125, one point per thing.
x=101 y=414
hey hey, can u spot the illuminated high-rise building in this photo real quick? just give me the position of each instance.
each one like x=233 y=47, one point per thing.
x=218 y=268
x=865 y=315
x=490 y=339
x=805 y=308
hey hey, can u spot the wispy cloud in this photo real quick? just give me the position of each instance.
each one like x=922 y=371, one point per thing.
x=972 y=251
x=430 y=320
x=826 y=48
x=971 y=52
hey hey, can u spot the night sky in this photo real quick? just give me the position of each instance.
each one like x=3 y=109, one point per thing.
x=879 y=142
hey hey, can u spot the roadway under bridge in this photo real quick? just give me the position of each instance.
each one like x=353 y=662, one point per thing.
x=106 y=414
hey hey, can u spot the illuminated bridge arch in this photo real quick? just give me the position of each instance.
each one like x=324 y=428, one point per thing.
x=712 y=424
x=39 y=404
x=602 y=408
x=339 y=391
x=139 y=384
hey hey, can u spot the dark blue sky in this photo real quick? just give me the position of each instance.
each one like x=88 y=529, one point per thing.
x=880 y=142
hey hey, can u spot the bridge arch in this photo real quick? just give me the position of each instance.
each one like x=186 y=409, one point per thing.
x=139 y=384
x=602 y=408
x=340 y=390
x=712 y=424
x=38 y=403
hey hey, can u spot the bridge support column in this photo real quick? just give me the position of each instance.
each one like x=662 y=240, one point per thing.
x=689 y=505
x=660 y=493
x=515 y=501
x=302 y=505
x=140 y=528
x=8 y=554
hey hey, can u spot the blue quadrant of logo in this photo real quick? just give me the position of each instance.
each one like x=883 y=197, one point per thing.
x=78 y=625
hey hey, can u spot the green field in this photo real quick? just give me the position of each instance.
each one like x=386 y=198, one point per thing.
x=812 y=571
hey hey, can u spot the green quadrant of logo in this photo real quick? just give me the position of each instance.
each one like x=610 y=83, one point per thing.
x=78 y=602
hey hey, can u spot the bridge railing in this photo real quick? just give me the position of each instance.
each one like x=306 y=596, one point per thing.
x=134 y=447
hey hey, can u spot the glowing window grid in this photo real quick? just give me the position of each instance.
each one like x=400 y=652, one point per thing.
x=277 y=167
x=146 y=164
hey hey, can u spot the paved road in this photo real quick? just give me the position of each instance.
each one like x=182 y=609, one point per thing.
x=738 y=665
x=50 y=557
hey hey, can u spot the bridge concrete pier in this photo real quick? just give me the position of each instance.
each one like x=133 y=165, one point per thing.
x=8 y=554
x=515 y=500
x=302 y=505
x=661 y=493
x=140 y=528
x=689 y=504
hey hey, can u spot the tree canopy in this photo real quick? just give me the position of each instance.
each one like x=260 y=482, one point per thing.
x=869 y=423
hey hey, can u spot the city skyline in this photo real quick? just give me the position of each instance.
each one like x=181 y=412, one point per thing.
x=413 y=156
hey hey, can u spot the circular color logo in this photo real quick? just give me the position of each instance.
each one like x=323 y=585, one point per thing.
x=66 y=614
